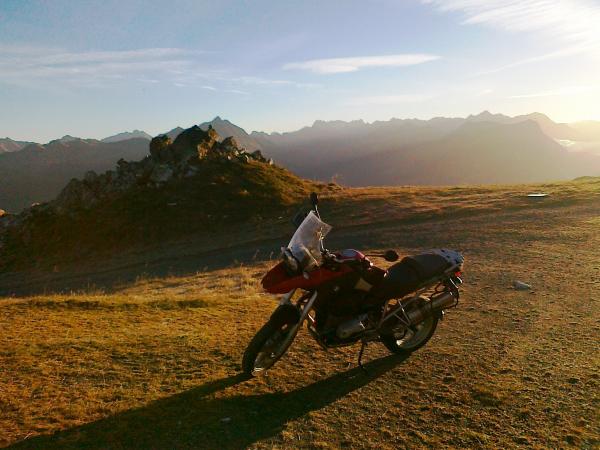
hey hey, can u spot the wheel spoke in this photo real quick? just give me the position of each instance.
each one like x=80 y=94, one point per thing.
x=270 y=351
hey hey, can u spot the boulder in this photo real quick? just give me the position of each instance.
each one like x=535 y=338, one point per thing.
x=212 y=133
x=187 y=144
x=520 y=286
x=258 y=156
x=229 y=145
x=159 y=145
x=203 y=149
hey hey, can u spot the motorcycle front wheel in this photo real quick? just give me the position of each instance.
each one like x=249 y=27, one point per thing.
x=269 y=344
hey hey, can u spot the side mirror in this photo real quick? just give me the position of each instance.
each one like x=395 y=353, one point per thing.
x=314 y=199
x=391 y=256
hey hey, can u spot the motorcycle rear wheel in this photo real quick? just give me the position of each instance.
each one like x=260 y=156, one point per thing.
x=265 y=348
x=414 y=338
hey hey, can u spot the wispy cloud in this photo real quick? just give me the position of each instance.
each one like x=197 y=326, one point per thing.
x=572 y=25
x=53 y=67
x=566 y=90
x=387 y=99
x=575 y=20
x=353 y=64
x=20 y=64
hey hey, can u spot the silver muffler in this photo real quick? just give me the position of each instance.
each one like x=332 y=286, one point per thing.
x=415 y=314
x=437 y=303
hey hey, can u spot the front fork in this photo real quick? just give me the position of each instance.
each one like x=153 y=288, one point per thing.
x=287 y=300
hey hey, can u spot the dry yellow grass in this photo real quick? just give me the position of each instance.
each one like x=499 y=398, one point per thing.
x=155 y=363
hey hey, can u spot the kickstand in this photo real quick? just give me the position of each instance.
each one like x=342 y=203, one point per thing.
x=360 y=355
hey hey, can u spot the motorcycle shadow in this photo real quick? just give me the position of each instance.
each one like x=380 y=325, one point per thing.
x=200 y=418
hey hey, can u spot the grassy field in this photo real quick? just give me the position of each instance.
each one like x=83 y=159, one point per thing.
x=151 y=359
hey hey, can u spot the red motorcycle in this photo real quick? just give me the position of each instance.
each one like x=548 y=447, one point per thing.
x=345 y=299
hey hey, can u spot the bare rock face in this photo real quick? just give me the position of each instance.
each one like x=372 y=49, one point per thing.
x=159 y=146
x=229 y=145
x=257 y=155
x=188 y=143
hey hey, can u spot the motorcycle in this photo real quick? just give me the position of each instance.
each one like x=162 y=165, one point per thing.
x=344 y=298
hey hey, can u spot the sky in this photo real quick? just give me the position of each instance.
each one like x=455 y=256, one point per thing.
x=95 y=68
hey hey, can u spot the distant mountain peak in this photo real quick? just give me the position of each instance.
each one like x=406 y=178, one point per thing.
x=68 y=138
x=135 y=134
x=8 y=145
x=488 y=116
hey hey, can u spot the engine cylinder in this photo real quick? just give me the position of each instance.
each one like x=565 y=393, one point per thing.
x=351 y=327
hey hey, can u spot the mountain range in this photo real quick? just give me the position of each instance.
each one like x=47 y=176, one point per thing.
x=8 y=145
x=223 y=127
x=135 y=134
x=37 y=173
x=482 y=148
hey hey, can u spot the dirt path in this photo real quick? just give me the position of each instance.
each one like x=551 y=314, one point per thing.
x=192 y=256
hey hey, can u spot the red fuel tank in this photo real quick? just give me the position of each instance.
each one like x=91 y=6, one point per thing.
x=277 y=280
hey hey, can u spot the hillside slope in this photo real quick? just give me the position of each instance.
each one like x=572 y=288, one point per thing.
x=195 y=184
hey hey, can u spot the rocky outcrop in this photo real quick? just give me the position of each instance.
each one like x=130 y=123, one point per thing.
x=168 y=160
x=195 y=184
x=159 y=146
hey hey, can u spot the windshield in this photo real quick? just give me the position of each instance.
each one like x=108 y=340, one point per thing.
x=305 y=243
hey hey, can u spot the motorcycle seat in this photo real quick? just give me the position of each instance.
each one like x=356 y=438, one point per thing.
x=427 y=265
x=406 y=276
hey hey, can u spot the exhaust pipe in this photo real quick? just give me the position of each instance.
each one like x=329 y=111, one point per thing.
x=437 y=303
